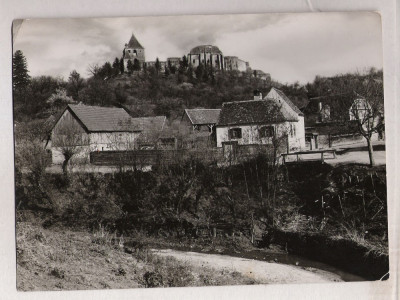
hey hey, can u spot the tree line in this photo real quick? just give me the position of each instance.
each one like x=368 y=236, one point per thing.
x=153 y=91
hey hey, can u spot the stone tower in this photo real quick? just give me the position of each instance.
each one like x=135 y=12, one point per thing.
x=133 y=50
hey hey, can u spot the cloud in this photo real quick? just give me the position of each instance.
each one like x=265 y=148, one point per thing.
x=291 y=47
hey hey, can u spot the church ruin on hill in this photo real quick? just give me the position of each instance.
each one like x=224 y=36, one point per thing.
x=206 y=55
x=133 y=51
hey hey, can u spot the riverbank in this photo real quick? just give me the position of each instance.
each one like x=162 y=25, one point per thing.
x=264 y=272
x=63 y=259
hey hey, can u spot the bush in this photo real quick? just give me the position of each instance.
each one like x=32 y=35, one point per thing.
x=56 y=272
x=168 y=272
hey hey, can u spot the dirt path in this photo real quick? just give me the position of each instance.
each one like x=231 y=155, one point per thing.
x=261 y=271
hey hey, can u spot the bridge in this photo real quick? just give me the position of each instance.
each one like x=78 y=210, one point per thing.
x=305 y=156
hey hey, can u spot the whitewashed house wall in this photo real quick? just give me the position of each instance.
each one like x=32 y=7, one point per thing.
x=89 y=141
x=251 y=134
x=82 y=152
x=299 y=140
x=108 y=141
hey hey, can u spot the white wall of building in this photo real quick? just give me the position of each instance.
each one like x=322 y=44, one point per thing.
x=251 y=135
x=242 y=65
x=108 y=141
x=299 y=138
x=98 y=141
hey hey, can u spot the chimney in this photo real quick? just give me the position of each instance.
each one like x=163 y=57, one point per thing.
x=257 y=95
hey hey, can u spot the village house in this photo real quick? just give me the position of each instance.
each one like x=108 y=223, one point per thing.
x=200 y=119
x=333 y=118
x=84 y=129
x=197 y=127
x=261 y=120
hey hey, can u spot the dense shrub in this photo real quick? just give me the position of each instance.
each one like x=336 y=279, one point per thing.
x=188 y=199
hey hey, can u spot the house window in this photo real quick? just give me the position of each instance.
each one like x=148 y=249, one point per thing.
x=267 y=131
x=235 y=133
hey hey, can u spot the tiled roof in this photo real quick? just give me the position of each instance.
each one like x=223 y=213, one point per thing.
x=205 y=48
x=201 y=116
x=288 y=101
x=253 y=112
x=134 y=43
x=100 y=119
x=150 y=123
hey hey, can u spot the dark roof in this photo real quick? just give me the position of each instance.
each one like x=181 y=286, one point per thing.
x=100 y=119
x=253 y=112
x=134 y=43
x=150 y=123
x=333 y=128
x=288 y=101
x=201 y=116
x=337 y=100
x=205 y=48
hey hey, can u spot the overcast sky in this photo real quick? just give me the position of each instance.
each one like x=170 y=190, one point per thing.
x=291 y=47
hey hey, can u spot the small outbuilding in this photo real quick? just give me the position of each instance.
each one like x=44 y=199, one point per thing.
x=82 y=129
x=200 y=119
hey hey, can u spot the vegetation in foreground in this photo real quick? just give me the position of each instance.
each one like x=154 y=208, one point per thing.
x=188 y=205
x=63 y=259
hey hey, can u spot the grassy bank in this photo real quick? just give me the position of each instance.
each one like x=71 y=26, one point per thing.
x=63 y=259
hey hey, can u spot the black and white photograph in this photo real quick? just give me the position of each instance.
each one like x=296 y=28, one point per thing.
x=199 y=150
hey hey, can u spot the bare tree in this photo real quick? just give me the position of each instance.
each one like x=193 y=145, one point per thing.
x=367 y=110
x=70 y=139
x=360 y=104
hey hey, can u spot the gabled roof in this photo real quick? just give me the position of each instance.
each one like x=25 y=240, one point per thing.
x=134 y=43
x=150 y=123
x=253 y=112
x=103 y=119
x=287 y=100
x=202 y=116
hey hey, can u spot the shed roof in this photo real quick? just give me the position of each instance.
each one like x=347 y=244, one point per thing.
x=134 y=43
x=150 y=123
x=253 y=112
x=103 y=119
x=201 y=116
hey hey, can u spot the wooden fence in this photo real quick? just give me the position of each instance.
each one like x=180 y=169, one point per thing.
x=144 y=158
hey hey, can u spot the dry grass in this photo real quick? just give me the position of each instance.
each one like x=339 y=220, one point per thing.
x=61 y=259
x=358 y=237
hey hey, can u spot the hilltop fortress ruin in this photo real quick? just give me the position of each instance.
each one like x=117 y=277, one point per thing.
x=207 y=55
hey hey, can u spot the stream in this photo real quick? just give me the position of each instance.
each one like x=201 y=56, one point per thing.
x=282 y=258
